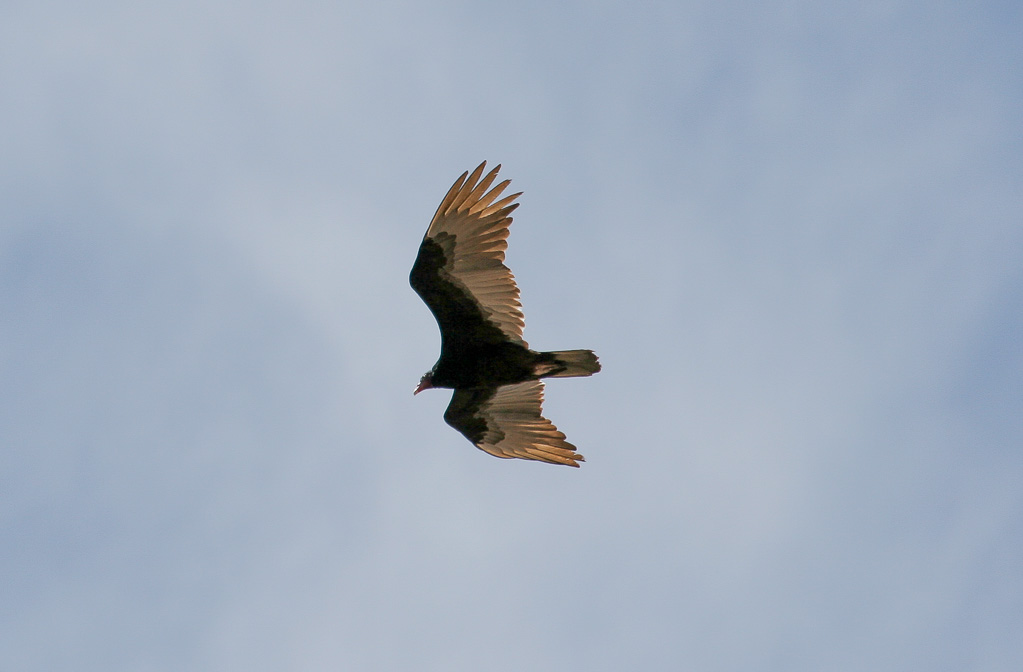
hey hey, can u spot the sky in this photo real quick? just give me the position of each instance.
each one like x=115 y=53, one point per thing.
x=790 y=230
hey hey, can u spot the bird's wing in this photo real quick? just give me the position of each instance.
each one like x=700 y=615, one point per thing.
x=507 y=422
x=459 y=271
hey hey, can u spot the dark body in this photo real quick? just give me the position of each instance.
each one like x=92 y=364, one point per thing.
x=492 y=365
x=460 y=275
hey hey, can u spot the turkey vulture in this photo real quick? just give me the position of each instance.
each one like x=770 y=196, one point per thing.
x=496 y=377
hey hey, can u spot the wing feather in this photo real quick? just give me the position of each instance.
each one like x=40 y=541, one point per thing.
x=508 y=422
x=461 y=260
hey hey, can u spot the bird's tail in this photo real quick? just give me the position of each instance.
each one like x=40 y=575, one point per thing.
x=571 y=363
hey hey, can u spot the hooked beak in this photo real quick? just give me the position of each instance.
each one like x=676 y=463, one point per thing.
x=423 y=385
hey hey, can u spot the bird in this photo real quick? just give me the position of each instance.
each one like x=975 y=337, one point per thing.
x=460 y=274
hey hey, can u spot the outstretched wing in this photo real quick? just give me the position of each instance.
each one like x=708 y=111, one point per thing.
x=460 y=273
x=507 y=422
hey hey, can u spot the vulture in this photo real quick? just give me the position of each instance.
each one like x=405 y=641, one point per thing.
x=460 y=275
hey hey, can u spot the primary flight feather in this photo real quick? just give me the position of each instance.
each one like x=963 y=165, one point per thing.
x=460 y=275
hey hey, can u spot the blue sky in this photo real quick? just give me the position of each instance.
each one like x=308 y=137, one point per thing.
x=791 y=231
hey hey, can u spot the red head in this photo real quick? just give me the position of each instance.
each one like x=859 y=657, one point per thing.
x=425 y=383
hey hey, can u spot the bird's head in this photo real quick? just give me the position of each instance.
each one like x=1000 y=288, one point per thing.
x=425 y=383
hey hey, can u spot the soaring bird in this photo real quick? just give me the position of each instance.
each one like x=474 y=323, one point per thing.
x=460 y=274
